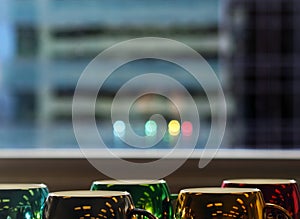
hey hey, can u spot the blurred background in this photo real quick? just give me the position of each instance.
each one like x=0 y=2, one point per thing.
x=253 y=47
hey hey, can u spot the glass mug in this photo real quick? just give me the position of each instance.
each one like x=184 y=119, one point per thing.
x=283 y=192
x=91 y=205
x=213 y=202
x=152 y=195
x=22 y=201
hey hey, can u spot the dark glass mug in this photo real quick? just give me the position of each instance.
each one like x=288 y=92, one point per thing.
x=283 y=192
x=152 y=195
x=22 y=201
x=91 y=205
x=225 y=203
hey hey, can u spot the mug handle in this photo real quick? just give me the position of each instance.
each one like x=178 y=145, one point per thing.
x=141 y=212
x=277 y=207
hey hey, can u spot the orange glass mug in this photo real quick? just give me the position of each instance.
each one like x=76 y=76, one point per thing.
x=283 y=192
x=91 y=205
x=225 y=203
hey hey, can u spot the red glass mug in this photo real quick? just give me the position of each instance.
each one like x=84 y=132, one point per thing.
x=283 y=192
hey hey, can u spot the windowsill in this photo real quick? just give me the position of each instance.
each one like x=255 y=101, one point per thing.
x=149 y=154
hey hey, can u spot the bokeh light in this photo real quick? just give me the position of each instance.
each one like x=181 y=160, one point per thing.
x=187 y=128
x=150 y=128
x=119 y=128
x=174 y=127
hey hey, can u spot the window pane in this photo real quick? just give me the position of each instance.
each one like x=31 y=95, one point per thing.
x=251 y=45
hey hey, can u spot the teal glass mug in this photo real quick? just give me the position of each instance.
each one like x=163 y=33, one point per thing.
x=152 y=195
x=22 y=201
x=91 y=205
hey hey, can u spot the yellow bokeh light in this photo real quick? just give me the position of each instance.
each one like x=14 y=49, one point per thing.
x=174 y=127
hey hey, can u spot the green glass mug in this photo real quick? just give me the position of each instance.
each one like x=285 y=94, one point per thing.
x=226 y=203
x=22 y=201
x=152 y=195
x=91 y=205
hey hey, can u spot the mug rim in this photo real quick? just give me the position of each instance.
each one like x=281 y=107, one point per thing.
x=260 y=181
x=129 y=182
x=218 y=190
x=21 y=186
x=88 y=194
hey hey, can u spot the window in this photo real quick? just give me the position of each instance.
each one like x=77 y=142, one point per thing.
x=252 y=46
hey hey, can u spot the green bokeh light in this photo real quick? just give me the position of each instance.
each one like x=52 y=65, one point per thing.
x=150 y=128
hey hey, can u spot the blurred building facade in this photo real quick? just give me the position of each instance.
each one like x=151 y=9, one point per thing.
x=56 y=40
